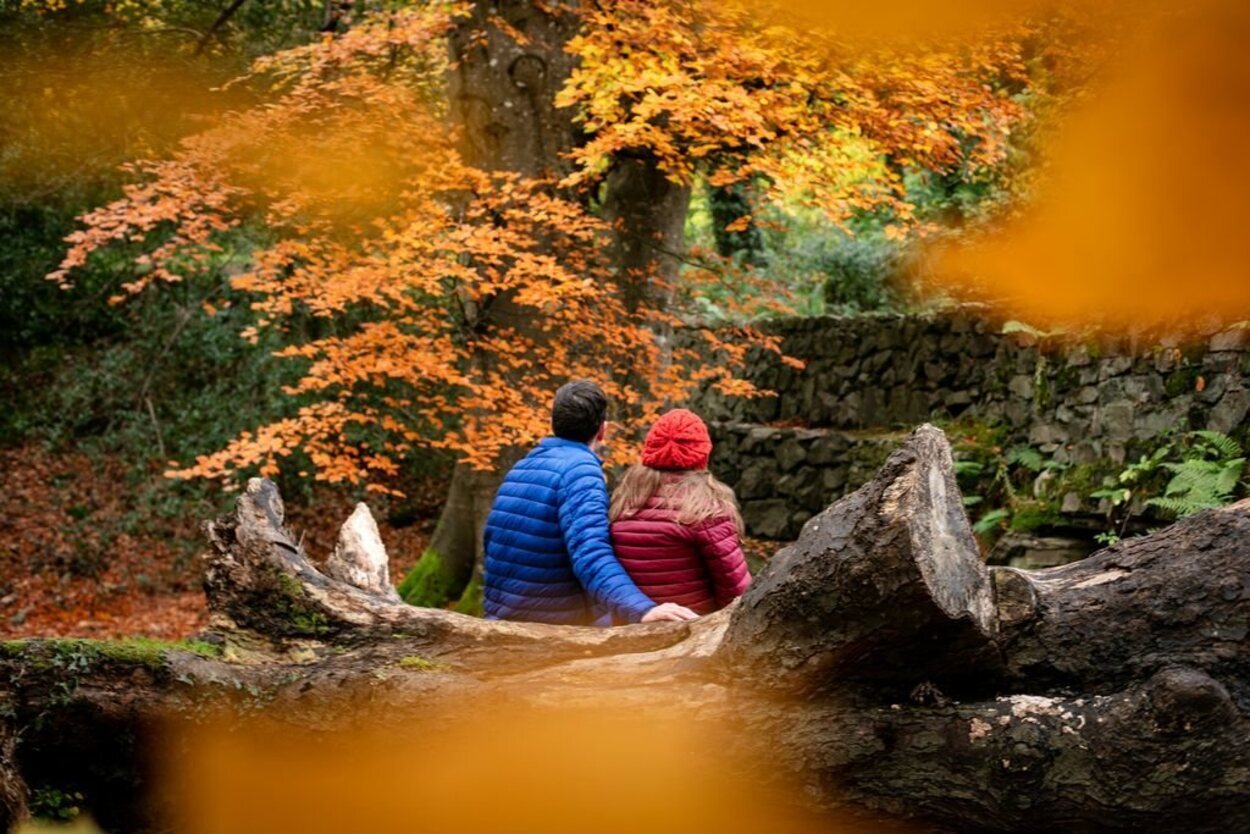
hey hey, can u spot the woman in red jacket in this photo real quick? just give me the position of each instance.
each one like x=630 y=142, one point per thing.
x=675 y=528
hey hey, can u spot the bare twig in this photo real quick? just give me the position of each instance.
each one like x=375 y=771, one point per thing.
x=222 y=19
x=184 y=317
x=156 y=425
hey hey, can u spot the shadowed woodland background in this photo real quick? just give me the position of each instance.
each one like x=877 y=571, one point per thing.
x=865 y=172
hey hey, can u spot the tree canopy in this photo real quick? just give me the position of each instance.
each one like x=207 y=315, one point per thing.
x=435 y=299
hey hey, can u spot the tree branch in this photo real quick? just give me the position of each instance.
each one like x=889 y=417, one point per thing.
x=222 y=20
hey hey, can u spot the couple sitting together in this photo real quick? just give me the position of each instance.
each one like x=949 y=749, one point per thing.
x=665 y=547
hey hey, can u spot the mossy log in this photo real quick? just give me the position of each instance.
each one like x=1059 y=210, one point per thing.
x=875 y=664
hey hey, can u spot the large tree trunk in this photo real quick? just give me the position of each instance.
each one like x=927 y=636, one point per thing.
x=875 y=664
x=502 y=102
x=648 y=211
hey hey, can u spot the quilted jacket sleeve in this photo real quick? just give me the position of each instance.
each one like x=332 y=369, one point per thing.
x=722 y=553
x=583 y=501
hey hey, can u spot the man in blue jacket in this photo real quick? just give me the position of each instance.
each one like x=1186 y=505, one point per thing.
x=549 y=555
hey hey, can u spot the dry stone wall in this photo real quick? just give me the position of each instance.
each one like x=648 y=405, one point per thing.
x=1078 y=401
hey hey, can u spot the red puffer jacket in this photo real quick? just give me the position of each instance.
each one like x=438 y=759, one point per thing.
x=700 y=566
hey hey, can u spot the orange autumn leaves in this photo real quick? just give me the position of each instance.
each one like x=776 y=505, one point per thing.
x=439 y=283
x=448 y=302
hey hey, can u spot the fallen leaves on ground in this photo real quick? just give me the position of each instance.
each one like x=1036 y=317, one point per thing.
x=79 y=556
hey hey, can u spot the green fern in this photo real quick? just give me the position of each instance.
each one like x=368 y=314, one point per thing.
x=1201 y=484
x=1218 y=444
x=991 y=520
x=1207 y=475
x=969 y=468
x=1027 y=457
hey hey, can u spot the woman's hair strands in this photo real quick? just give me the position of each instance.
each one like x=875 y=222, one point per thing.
x=695 y=495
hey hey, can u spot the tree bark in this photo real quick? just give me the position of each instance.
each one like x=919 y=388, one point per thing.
x=875 y=664
x=509 y=62
x=648 y=211
x=905 y=597
x=446 y=566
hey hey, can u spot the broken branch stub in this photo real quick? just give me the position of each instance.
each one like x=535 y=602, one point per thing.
x=886 y=587
x=360 y=558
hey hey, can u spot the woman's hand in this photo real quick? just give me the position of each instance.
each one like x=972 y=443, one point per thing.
x=669 y=612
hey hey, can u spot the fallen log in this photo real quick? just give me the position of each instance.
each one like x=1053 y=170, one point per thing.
x=875 y=664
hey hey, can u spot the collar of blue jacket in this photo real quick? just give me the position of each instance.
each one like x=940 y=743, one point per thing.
x=560 y=442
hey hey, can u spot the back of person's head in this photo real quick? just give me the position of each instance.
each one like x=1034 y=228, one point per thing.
x=674 y=467
x=578 y=411
x=677 y=442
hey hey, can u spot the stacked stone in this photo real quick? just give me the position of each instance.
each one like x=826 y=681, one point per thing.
x=784 y=476
x=867 y=377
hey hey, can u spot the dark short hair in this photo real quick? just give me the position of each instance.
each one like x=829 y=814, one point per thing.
x=578 y=411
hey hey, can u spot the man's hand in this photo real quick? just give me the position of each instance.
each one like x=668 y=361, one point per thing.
x=669 y=612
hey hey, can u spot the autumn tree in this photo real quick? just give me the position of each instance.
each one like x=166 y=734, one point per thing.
x=482 y=200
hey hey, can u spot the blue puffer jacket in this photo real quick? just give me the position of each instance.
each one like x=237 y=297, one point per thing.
x=549 y=553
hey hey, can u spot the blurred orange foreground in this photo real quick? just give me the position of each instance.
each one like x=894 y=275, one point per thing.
x=518 y=771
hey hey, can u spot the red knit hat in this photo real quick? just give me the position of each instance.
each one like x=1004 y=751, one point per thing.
x=678 y=440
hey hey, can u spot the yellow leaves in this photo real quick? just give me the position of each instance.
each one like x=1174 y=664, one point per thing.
x=713 y=86
x=508 y=29
x=681 y=82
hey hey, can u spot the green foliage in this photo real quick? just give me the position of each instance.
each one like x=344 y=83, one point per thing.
x=49 y=803
x=292 y=604
x=960 y=197
x=969 y=468
x=1026 y=456
x=833 y=270
x=1203 y=470
x=176 y=381
x=991 y=521
x=1003 y=488
x=80 y=654
x=863 y=273
x=1118 y=489
x=471 y=602
x=730 y=205
x=1033 y=514
x=818 y=266
x=88 y=87
x=63 y=662
x=428 y=584
x=1207 y=476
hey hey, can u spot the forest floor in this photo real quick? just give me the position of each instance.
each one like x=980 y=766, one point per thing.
x=84 y=554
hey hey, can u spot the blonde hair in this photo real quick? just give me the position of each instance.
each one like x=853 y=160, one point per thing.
x=696 y=495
